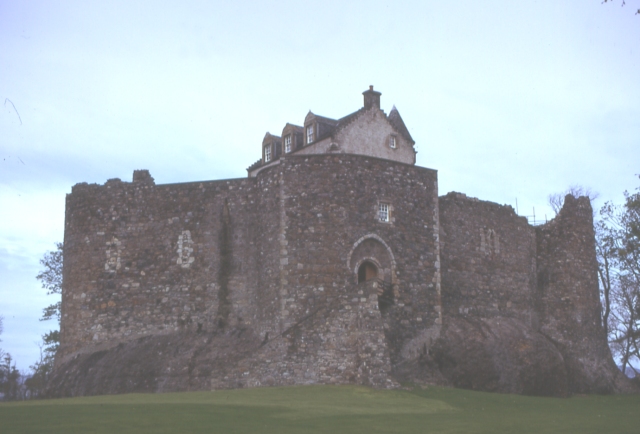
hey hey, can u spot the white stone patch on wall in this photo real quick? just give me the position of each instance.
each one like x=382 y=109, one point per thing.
x=489 y=242
x=114 y=250
x=185 y=249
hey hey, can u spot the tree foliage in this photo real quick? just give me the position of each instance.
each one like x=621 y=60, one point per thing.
x=11 y=381
x=51 y=278
x=618 y=252
x=10 y=378
x=14 y=385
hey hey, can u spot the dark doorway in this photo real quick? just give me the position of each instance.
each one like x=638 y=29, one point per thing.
x=367 y=271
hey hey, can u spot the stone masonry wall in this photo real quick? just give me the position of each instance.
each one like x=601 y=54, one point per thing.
x=320 y=220
x=262 y=253
x=567 y=297
x=144 y=259
x=258 y=278
x=488 y=259
x=331 y=205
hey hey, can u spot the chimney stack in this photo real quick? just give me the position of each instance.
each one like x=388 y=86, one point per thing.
x=371 y=98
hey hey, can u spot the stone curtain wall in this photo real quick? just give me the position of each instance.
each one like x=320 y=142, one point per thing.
x=488 y=259
x=145 y=259
x=276 y=254
x=256 y=281
x=521 y=304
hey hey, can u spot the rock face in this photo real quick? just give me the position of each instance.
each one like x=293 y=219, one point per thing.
x=326 y=267
x=164 y=363
x=500 y=355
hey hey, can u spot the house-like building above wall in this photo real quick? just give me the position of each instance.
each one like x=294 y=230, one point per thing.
x=367 y=131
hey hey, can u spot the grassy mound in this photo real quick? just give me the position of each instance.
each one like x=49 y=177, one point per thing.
x=324 y=409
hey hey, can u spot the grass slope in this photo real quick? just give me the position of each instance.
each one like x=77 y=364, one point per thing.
x=324 y=409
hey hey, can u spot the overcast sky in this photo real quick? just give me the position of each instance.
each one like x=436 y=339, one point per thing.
x=505 y=99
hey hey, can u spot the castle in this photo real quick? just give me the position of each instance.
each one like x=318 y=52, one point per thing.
x=334 y=261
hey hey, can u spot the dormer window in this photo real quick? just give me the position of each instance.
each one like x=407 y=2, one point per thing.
x=267 y=153
x=287 y=143
x=392 y=141
x=309 y=134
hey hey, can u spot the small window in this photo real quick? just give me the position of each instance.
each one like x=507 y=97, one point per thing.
x=392 y=142
x=287 y=143
x=310 y=134
x=267 y=153
x=383 y=212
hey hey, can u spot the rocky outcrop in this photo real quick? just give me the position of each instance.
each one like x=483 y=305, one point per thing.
x=500 y=355
x=165 y=363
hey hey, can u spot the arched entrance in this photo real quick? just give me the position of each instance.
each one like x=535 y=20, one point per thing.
x=367 y=271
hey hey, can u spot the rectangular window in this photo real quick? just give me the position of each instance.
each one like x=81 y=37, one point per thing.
x=267 y=153
x=383 y=212
x=392 y=142
x=310 y=134
x=287 y=144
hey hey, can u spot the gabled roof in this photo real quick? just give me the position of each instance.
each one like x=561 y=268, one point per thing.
x=346 y=120
x=397 y=122
x=394 y=119
x=323 y=119
x=295 y=128
x=270 y=136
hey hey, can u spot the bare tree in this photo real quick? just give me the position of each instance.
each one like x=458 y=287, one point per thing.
x=605 y=254
x=556 y=201
x=618 y=252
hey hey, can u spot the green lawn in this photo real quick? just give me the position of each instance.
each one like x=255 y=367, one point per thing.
x=324 y=409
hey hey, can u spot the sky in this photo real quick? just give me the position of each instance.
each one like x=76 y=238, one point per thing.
x=509 y=101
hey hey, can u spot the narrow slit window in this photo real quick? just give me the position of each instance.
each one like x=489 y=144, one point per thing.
x=383 y=212
x=392 y=142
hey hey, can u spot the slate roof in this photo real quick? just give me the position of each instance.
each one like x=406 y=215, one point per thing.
x=397 y=122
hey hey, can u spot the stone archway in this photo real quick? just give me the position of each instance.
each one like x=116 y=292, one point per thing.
x=372 y=253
